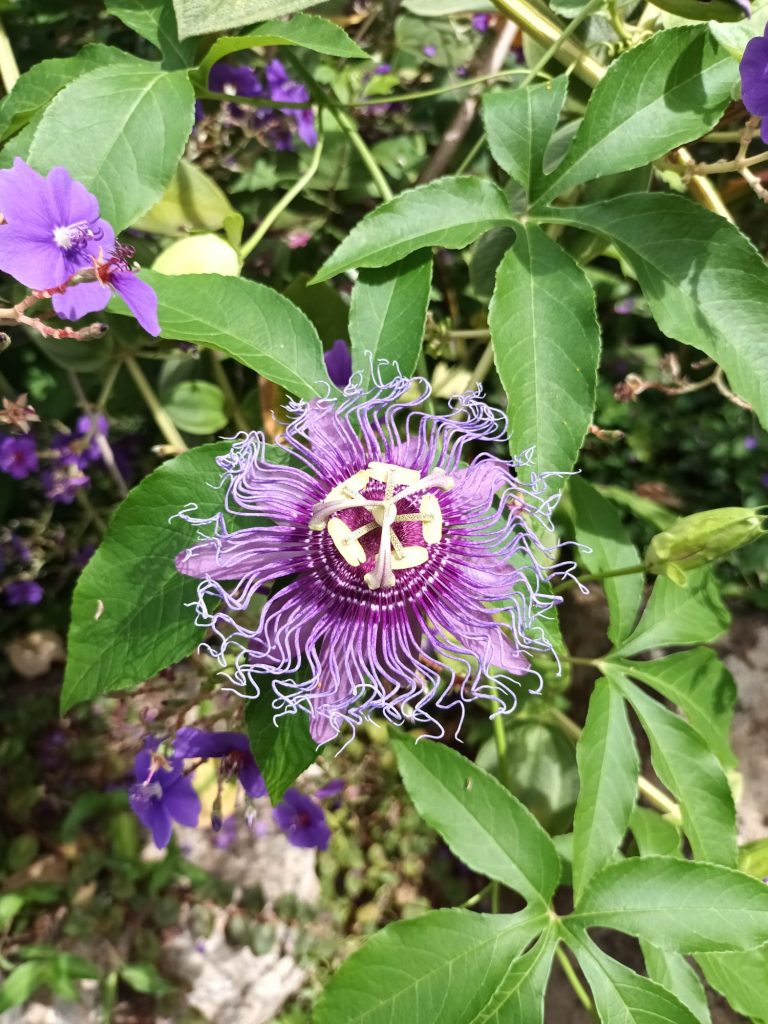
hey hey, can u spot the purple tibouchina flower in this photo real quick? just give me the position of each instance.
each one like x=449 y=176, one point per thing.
x=754 y=79
x=480 y=22
x=162 y=796
x=338 y=363
x=283 y=89
x=330 y=789
x=382 y=69
x=91 y=426
x=22 y=592
x=394 y=560
x=52 y=228
x=234 y=79
x=302 y=820
x=233 y=747
x=18 y=456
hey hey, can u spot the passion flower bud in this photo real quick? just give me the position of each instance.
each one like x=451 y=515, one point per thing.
x=701 y=538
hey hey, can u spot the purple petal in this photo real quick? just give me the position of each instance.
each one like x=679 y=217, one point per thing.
x=80 y=300
x=157 y=819
x=240 y=554
x=191 y=742
x=34 y=263
x=251 y=778
x=139 y=297
x=69 y=201
x=182 y=802
x=338 y=362
x=754 y=76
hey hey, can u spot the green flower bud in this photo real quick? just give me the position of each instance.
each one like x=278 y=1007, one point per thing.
x=701 y=538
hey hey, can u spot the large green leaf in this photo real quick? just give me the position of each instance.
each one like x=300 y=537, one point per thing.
x=606 y=547
x=677 y=904
x=444 y=966
x=449 y=212
x=608 y=770
x=658 y=95
x=706 y=285
x=677 y=976
x=742 y=978
x=387 y=312
x=700 y=684
x=120 y=131
x=674 y=616
x=199 y=17
x=252 y=323
x=546 y=343
x=305 y=30
x=282 y=748
x=692 y=772
x=519 y=124
x=35 y=89
x=520 y=995
x=156 y=21
x=485 y=826
x=620 y=995
x=129 y=611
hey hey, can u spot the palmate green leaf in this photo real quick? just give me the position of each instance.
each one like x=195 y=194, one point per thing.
x=121 y=131
x=449 y=212
x=688 y=769
x=675 y=615
x=742 y=978
x=387 y=313
x=35 y=89
x=254 y=324
x=620 y=995
x=675 y=974
x=200 y=17
x=519 y=124
x=701 y=686
x=661 y=94
x=520 y=996
x=677 y=904
x=282 y=749
x=546 y=344
x=655 y=834
x=306 y=30
x=484 y=825
x=606 y=546
x=155 y=20
x=444 y=966
x=705 y=283
x=129 y=614
x=608 y=769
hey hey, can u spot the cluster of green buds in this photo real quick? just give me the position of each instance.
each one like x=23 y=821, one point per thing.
x=701 y=538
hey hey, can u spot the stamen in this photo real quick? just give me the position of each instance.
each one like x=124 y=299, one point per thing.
x=411 y=557
x=345 y=542
x=73 y=236
x=432 y=524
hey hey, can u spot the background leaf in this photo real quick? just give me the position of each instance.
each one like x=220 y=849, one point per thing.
x=155 y=20
x=546 y=344
x=607 y=547
x=742 y=978
x=449 y=212
x=281 y=749
x=199 y=17
x=120 y=131
x=484 y=825
x=197 y=407
x=387 y=313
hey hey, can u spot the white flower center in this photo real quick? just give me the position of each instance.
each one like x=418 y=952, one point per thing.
x=72 y=236
x=392 y=555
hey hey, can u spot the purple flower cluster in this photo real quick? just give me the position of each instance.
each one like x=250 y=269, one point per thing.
x=754 y=80
x=163 y=791
x=51 y=230
x=275 y=124
x=409 y=582
x=18 y=456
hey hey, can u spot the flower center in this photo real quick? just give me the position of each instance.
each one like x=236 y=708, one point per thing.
x=73 y=237
x=399 y=484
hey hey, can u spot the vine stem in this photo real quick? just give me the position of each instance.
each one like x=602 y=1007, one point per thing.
x=628 y=570
x=282 y=204
x=573 y=979
x=164 y=422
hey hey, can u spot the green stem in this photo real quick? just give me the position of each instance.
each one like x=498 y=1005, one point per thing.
x=628 y=570
x=164 y=422
x=474 y=900
x=248 y=246
x=220 y=375
x=573 y=978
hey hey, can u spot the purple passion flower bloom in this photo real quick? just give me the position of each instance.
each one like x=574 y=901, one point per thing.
x=52 y=226
x=392 y=556
x=162 y=796
x=18 y=456
x=22 y=592
x=754 y=79
x=480 y=22
x=233 y=747
x=302 y=820
x=338 y=363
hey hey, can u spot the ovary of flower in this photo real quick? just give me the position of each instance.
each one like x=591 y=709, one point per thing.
x=392 y=555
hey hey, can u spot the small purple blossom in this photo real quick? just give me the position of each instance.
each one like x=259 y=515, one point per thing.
x=481 y=22
x=283 y=89
x=22 y=592
x=429 y=50
x=232 y=747
x=234 y=79
x=162 y=795
x=18 y=456
x=750 y=442
x=338 y=363
x=382 y=69
x=625 y=307
x=408 y=580
x=226 y=834
x=302 y=820
x=754 y=80
x=52 y=228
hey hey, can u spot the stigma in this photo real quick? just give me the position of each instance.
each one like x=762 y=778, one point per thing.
x=382 y=511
